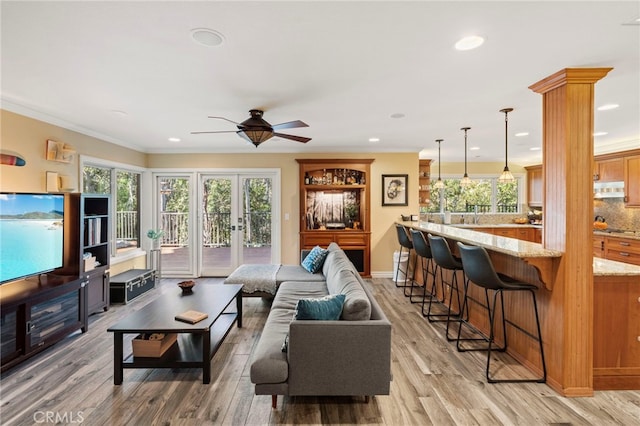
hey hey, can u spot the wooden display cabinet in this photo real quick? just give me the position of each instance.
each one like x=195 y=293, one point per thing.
x=424 y=183
x=335 y=204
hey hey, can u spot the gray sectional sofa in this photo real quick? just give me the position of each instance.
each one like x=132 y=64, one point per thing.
x=351 y=356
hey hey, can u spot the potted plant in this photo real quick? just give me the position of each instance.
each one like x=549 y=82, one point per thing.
x=155 y=235
x=350 y=214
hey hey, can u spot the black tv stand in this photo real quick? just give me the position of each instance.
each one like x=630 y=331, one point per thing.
x=37 y=312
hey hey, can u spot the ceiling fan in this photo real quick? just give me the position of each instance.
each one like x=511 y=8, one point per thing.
x=256 y=130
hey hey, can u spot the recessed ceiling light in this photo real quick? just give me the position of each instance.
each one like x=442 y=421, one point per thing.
x=474 y=148
x=374 y=139
x=600 y=133
x=607 y=107
x=468 y=43
x=397 y=115
x=207 y=37
x=119 y=112
x=535 y=148
x=174 y=139
x=522 y=134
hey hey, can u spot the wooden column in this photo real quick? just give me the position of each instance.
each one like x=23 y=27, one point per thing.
x=568 y=223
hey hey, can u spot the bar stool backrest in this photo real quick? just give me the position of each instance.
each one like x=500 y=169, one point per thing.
x=478 y=267
x=420 y=244
x=403 y=237
x=442 y=253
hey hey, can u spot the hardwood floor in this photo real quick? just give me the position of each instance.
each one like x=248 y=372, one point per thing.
x=433 y=384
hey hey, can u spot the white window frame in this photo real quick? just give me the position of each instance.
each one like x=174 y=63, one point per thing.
x=142 y=202
x=520 y=177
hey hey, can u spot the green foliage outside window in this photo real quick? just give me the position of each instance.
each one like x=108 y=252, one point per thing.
x=97 y=180
x=478 y=195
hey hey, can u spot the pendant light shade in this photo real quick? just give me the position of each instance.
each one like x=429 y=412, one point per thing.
x=506 y=175
x=465 y=181
x=439 y=184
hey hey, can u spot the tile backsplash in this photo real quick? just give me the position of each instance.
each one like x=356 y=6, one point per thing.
x=616 y=215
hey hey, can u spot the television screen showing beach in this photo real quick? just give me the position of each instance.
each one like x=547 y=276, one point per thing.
x=31 y=234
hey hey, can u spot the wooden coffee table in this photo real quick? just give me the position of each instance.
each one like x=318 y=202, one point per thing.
x=197 y=343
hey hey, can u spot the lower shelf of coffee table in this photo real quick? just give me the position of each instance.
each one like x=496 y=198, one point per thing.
x=188 y=350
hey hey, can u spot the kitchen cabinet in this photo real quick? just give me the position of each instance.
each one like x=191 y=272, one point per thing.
x=335 y=206
x=622 y=249
x=616 y=330
x=537 y=235
x=632 y=181
x=424 y=183
x=535 y=186
x=609 y=170
x=520 y=233
x=598 y=246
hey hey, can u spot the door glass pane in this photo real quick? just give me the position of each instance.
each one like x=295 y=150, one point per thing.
x=174 y=222
x=256 y=206
x=216 y=223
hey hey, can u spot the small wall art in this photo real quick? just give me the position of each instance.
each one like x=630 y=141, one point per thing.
x=59 y=151
x=394 y=190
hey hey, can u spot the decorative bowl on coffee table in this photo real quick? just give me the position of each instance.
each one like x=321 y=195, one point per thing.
x=186 y=286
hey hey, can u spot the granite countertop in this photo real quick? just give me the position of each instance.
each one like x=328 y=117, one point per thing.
x=629 y=235
x=495 y=225
x=605 y=267
x=519 y=248
x=510 y=246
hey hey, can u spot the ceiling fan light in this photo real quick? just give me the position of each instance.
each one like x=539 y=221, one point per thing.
x=255 y=136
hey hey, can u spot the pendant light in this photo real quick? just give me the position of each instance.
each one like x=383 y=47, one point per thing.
x=506 y=175
x=465 y=181
x=439 y=184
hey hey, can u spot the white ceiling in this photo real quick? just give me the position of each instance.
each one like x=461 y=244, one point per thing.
x=342 y=67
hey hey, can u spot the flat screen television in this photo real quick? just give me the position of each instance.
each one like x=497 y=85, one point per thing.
x=31 y=234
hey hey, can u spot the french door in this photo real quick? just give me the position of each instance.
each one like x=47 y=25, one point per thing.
x=214 y=221
x=236 y=221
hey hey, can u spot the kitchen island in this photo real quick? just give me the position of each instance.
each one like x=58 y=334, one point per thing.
x=615 y=325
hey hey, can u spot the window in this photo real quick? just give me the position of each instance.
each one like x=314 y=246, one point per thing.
x=125 y=196
x=485 y=195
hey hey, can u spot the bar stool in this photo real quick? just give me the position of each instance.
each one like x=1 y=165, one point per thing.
x=479 y=269
x=405 y=243
x=444 y=260
x=423 y=252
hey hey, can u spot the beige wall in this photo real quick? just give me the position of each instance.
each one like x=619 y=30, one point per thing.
x=28 y=137
x=383 y=237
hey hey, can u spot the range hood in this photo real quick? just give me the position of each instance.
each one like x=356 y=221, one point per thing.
x=608 y=190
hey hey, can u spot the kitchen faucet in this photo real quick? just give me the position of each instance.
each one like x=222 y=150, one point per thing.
x=476 y=218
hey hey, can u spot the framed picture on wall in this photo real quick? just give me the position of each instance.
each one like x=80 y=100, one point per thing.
x=394 y=190
x=59 y=151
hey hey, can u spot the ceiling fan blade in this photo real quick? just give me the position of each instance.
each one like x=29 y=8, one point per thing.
x=222 y=118
x=292 y=137
x=289 y=125
x=217 y=131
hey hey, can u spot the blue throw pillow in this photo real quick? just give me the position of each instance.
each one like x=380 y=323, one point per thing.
x=326 y=308
x=314 y=260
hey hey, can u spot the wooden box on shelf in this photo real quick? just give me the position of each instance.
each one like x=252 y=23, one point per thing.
x=152 y=347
